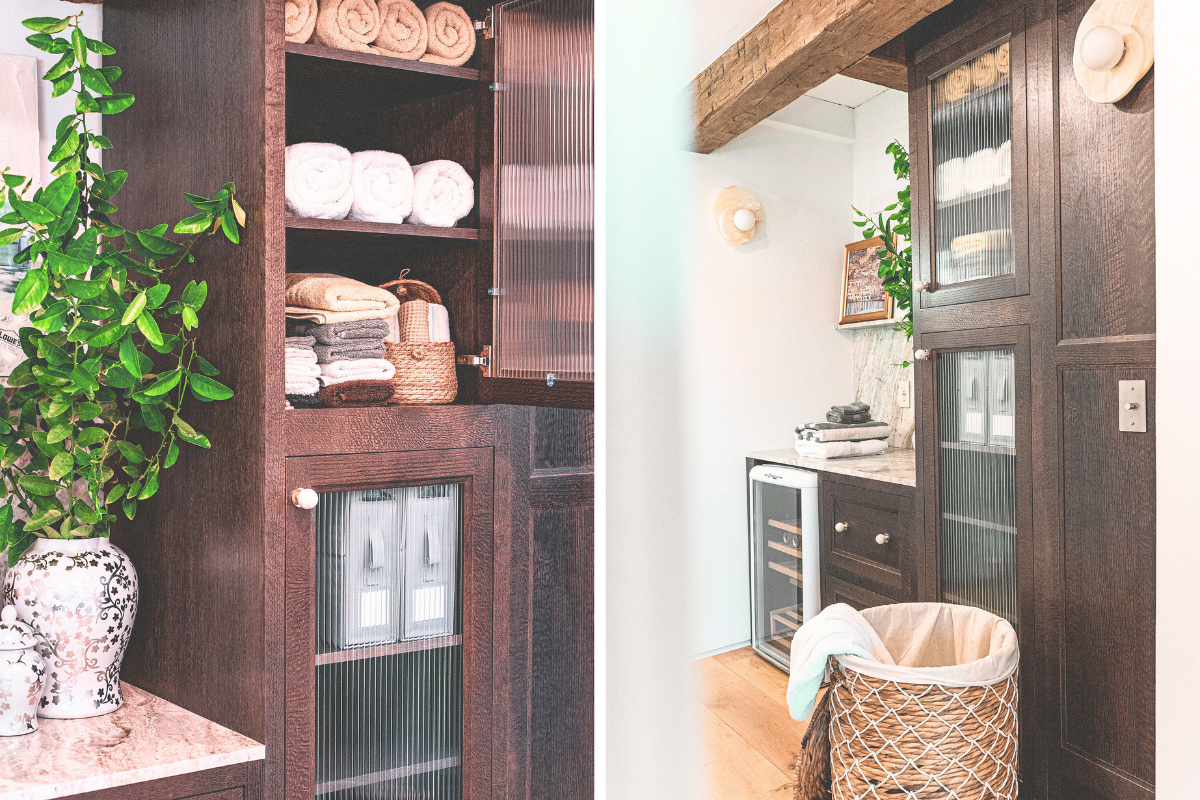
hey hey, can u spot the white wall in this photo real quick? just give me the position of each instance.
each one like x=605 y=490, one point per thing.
x=12 y=42
x=760 y=353
x=877 y=123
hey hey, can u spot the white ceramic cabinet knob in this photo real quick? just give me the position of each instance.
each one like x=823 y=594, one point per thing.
x=1102 y=48
x=920 y=286
x=304 y=498
x=921 y=355
x=841 y=527
x=883 y=538
x=744 y=219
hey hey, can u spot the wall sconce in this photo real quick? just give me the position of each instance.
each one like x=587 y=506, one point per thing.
x=1114 y=48
x=738 y=214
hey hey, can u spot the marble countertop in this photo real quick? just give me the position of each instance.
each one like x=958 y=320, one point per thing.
x=145 y=739
x=892 y=466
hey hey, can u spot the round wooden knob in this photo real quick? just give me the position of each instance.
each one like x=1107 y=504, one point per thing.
x=304 y=498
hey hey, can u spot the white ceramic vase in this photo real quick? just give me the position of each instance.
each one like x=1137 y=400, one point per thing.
x=81 y=596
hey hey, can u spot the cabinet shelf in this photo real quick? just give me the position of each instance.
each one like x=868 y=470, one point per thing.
x=382 y=650
x=371 y=778
x=975 y=197
x=788 y=571
x=310 y=226
x=790 y=527
x=980 y=523
x=328 y=74
x=783 y=548
x=981 y=448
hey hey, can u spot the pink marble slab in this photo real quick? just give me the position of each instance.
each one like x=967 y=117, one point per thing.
x=891 y=466
x=147 y=738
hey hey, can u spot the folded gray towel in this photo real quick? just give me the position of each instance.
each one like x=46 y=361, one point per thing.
x=849 y=419
x=853 y=408
x=836 y=432
x=299 y=342
x=351 y=348
x=337 y=332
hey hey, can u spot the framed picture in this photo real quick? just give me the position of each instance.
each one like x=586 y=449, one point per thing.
x=863 y=297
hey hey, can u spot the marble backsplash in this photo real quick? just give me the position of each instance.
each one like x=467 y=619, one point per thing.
x=878 y=351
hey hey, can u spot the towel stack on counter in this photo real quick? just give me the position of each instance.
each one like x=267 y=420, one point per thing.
x=441 y=34
x=343 y=324
x=847 y=431
x=327 y=181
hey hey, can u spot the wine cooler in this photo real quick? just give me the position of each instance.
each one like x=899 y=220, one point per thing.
x=785 y=573
x=389 y=696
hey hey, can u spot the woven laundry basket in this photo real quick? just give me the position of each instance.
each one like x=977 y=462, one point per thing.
x=944 y=726
x=424 y=373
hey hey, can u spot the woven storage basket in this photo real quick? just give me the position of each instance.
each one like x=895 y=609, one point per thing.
x=407 y=289
x=424 y=373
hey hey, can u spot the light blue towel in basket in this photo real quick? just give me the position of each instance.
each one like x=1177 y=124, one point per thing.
x=838 y=630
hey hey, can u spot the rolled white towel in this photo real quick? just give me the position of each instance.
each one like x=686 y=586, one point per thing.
x=383 y=187
x=950 y=180
x=981 y=170
x=443 y=194
x=317 y=180
x=1004 y=163
x=293 y=370
x=439 y=323
x=357 y=369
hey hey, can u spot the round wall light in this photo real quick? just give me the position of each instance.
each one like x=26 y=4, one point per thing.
x=738 y=215
x=1114 y=48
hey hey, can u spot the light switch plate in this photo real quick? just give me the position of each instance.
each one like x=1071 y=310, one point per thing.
x=1132 y=414
x=904 y=394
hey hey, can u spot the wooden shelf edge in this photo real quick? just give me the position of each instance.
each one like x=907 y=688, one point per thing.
x=353 y=226
x=382 y=650
x=790 y=527
x=371 y=778
x=384 y=62
x=791 y=551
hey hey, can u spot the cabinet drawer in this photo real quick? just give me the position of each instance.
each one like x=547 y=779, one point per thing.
x=836 y=590
x=866 y=532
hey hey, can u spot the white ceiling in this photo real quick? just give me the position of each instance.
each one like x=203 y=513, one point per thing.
x=849 y=92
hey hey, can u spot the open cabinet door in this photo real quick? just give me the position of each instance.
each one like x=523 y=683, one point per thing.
x=542 y=330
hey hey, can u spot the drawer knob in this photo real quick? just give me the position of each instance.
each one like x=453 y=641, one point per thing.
x=883 y=538
x=841 y=527
x=304 y=498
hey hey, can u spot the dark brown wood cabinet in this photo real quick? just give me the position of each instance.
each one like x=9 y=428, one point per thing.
x=226 y=619
x=1069 y=316
x=867 y=540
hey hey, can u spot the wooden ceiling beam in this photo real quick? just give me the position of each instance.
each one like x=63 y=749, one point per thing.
x=884 y=66
x=798 y=46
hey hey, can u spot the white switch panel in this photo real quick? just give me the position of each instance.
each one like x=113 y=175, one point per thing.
x=1132 y=413
x=904 y=394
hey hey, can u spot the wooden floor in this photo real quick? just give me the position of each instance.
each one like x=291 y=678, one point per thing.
x=750 y=740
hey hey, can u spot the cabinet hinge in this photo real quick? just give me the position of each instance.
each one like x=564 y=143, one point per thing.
x=484 y=26
x=483 y=361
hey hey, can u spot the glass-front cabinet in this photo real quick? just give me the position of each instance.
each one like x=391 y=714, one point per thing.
x=784 y=557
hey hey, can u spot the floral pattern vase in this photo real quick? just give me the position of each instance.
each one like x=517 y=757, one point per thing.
x=21 y=675
x=81 y=596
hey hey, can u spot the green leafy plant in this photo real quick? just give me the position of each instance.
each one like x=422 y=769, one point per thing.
x=895 y=264
x=110 y=347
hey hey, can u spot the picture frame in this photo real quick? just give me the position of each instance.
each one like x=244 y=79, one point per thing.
x=863 y=296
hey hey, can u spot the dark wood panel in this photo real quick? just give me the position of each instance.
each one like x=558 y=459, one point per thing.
x=233 y=782
x=1108 y=575
x=562 y=438
x=561 y=490
x=1106 y=209
x=322 y=431
x=836 y=590
x=528 y=392
x=866 y=515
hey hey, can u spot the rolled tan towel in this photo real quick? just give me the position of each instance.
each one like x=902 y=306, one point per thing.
x=317 y=290
x=451 y=35
x=981 y=242
x=300 y=19
x=1002 y=59
x=956 y=84
x=356 y=393
x=413 y=320
x=983 y=71
x=347 y=24
x=403 y=32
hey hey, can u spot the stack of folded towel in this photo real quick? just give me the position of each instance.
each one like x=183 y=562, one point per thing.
x=847 y=431
x=327 y=181
x=988 y=168
x=441 y=34
x=301 y=372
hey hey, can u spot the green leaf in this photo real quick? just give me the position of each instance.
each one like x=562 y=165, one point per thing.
x=153 y=418
x=30 y=292
x=13 y=181
x=99 y=140
x=66 y=147
x=85 y=512
x=197 y=223
x=91 y=436
x=172 y=456
x=61 y=466
x=206 y=388
x=39 y=485
x=84 y=290
x=229 y=225
x=165 y=383
x=115 y=494
x=190 y=435
x=32 y=212
x=133 y=453
x=194 y=294
x=107 y=335
x=115 y=104
x=130 y=358
x=206 y=367
x=88 y=410
x=157 y=244
x=47 y=517
x=156 y=294
x=62 y=85
x=190 y=320
x=136 y=306
x=79 y=45
x=129 y=506
x=63 y=264
x=149 y=329
x=151 y=485
x=46 y=24
x=61 y=67
x=100 y=48
x=93 y=79
x=118 y=378
x=59 y=432
x=85 y=103
x=47 y=43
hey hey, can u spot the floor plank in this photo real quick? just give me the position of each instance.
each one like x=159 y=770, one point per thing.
x=734 y=769
x=762 y=674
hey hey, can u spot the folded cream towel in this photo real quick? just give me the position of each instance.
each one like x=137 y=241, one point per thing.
x=840 y=449
x=403 y=31
x=326 y=317
x=443 y=193
x=317 y=180
x=320 y=290
x=294 y=355
x=347 y=24
x=301 y=385
x=383 y=187
x=300 y=19
x=357 y=369
x=300 y=369
x=451 y=35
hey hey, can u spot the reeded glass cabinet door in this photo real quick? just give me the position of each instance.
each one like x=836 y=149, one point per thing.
x=977 y=479
x=543 y=306
x=975 y=187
